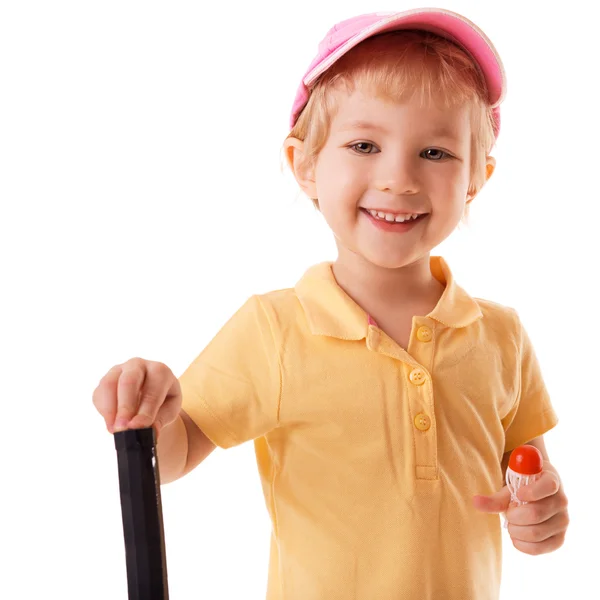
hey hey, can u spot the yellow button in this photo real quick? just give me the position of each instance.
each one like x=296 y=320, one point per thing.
x=417 y=376
x=422 y=422
x=424 y=334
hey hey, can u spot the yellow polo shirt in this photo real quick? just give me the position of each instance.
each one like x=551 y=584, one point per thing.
x=369 y=454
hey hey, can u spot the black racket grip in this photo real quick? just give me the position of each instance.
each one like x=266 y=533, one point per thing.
x=141 y=509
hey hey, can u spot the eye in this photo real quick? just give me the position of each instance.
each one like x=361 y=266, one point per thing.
x=435 y=154
x=363 y=144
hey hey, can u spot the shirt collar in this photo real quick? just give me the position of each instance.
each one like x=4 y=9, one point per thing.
x=330 y=311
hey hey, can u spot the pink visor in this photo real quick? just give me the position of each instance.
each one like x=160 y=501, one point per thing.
x=345 y=35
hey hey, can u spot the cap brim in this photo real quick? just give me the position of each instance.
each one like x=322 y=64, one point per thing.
x=446 y=23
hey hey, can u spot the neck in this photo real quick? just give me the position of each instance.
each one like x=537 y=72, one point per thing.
x=375 y=288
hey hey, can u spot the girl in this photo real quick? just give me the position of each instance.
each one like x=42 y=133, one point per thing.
x=381 y=397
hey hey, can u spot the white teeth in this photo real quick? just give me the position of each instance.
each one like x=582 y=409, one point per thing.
x=392 y=218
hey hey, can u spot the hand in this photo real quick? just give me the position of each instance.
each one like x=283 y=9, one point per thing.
x=539 y=526
x=138 y=393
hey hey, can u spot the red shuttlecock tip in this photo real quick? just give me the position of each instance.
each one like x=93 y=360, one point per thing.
x=526 y=460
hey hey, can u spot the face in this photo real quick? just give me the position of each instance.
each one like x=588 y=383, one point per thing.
x=408 y=160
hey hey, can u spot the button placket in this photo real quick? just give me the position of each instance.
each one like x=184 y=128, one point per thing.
x=422 y=341
x=420 y=393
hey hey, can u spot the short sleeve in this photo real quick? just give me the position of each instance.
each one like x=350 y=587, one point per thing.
x=532 y=414
x=232 y=389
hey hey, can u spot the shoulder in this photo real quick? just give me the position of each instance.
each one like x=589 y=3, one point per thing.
x=500 y=320
x=281 y=307
x=284 y=310
x=495 y=311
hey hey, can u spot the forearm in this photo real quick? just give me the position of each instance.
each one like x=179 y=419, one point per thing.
x=172 y=450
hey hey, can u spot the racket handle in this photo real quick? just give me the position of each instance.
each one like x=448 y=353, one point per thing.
x=141 y=508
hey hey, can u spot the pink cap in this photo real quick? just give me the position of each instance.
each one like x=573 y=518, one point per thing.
x=345 y=35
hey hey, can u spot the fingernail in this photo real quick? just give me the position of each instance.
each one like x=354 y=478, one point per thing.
x=120 y=424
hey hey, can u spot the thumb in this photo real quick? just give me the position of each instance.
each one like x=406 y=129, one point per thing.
x=496 y=503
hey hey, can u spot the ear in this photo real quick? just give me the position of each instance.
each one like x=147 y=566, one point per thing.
x=490 y=167
x=294 y=153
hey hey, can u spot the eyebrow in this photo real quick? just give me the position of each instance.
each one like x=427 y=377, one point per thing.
x=363 y=125
x=352 y=125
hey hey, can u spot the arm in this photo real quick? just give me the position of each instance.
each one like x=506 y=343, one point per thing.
x=181 y=447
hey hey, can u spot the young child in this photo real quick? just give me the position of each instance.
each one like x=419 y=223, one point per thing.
x=381 y=397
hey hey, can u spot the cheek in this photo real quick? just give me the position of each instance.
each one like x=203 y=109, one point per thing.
x=453 y=185
x=463 y=179
x=338 y=215
x=337 y=175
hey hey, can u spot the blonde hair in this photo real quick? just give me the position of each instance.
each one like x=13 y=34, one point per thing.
x=399 y=65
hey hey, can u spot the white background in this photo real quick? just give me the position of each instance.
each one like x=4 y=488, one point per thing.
x=143 y=201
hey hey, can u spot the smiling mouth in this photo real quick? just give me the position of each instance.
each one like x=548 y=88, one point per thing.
x=387 y=217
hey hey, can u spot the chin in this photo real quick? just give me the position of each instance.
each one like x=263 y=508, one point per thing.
x=391 y=262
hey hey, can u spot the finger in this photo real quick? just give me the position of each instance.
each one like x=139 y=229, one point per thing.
x=153 y=394
x=129 y=385
x=168 y=412
x=104 y=397
x=547 y=485
x=534 y=513
x=537 y=548
x=540 y=532
x=496 y=503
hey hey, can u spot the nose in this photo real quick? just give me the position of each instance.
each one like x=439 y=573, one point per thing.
x=398 y=176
